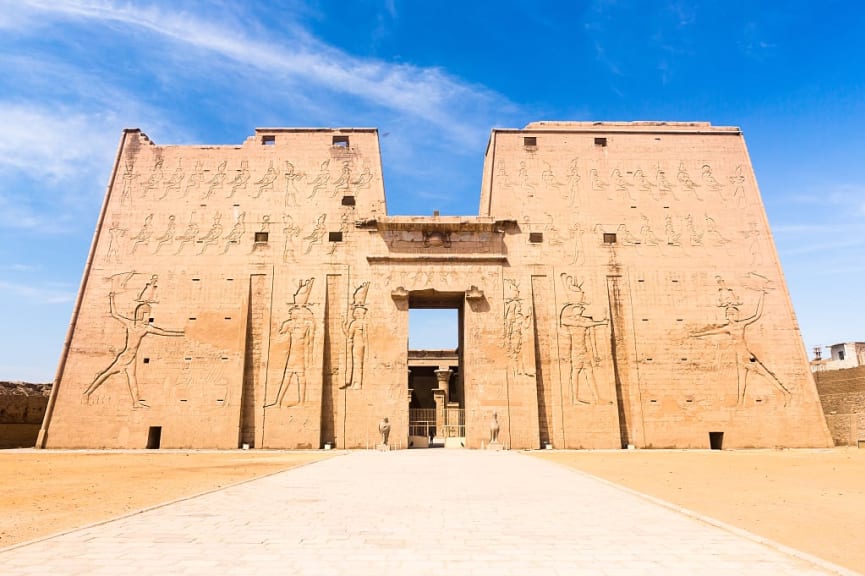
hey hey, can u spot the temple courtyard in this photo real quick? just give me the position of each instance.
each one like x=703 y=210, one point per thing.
x=432 y=511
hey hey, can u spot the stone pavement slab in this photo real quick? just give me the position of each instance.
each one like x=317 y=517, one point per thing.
x=409 y=512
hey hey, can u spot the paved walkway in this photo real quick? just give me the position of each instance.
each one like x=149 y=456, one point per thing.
x=443 y=512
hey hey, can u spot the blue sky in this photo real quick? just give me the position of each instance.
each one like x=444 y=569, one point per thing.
x=434 y=77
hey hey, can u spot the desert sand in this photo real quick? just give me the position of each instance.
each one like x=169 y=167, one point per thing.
x=45 y=492
x=811 y=500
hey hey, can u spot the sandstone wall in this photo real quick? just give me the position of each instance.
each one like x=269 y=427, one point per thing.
x=842 y=393
x=618 y=287
x=22 y=408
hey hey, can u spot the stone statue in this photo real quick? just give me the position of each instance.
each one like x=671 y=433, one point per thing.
x=494 y=429
x=384 y=429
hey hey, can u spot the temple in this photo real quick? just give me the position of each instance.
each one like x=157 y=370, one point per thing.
x=618 y=288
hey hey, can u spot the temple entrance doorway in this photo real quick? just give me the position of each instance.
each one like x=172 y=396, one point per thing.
x=435 y=382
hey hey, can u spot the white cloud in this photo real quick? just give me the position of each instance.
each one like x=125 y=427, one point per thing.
x=51 y=294
x=458 y=109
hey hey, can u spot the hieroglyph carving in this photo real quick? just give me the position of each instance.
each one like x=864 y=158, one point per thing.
x=137 y=327
x=299 y=329
x=516 y=325
x=582 y=353
x=733 y=329
x=356 y=338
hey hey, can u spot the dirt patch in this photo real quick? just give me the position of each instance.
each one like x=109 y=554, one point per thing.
x=46 y=492
x=811 y=500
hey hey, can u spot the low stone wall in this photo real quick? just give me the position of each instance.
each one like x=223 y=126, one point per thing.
x=22 y=407
x=842 y=394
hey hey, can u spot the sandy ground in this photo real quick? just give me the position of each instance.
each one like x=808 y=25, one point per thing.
x=44 y=492
x=811 y=500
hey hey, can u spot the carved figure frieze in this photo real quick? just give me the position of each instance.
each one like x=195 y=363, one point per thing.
x=217 y=181
x=357 y=339
x=319 y=183
x=673 y=237
x=516 y=327
x=343 y=181
x=292 y=179
x=137 y=326
x=166 y=237
x=363 y=180
x=240 y=179
x=172 y=185
x=190 y=234
x=265 y=183
x=290 y=232
x=155 y=180
x=236 y=233
x=738 y=182
x=212 y=237
x=579 y=254
x=686 y=182
x=115 y=241
x=733 y=330
x=582 y=347
x=710 y=182
x=299 y=331
x=574 y=182
x=527 y=187
x=144 y=233
x=752 y=236
x=196 y=178
x=317 y=235
x=129 y=177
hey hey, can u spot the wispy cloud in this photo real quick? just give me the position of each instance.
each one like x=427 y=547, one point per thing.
x=428 y=94
x=38 y=294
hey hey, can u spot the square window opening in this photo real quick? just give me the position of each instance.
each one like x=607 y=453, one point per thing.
x=609 y=238
x=261 y=237
x=536 y=237
x=268 y=140
x=334 y=236
x=348 y=201
x=340 y=141
x=530 y=141
x=600 y=142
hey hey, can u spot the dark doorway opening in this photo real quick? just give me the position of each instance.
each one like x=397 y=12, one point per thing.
x=716 y=440
x=435 y=380
x=154 y=437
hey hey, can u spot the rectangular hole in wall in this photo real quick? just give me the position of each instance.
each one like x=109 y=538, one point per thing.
x=196 y=279
x=530 y=142
x=536 y=237
x=261 y=237
x=192 y=318
x=348 y=201
x=334 y=236
x=340 y=141
x=146 y=360
x=716 y=440
x=150 y=320
x=229 y=279
x=609 y=238
x=268 y=139
x=184 y=400
x=154 y=437
x=228 y=317
x=600 y=141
